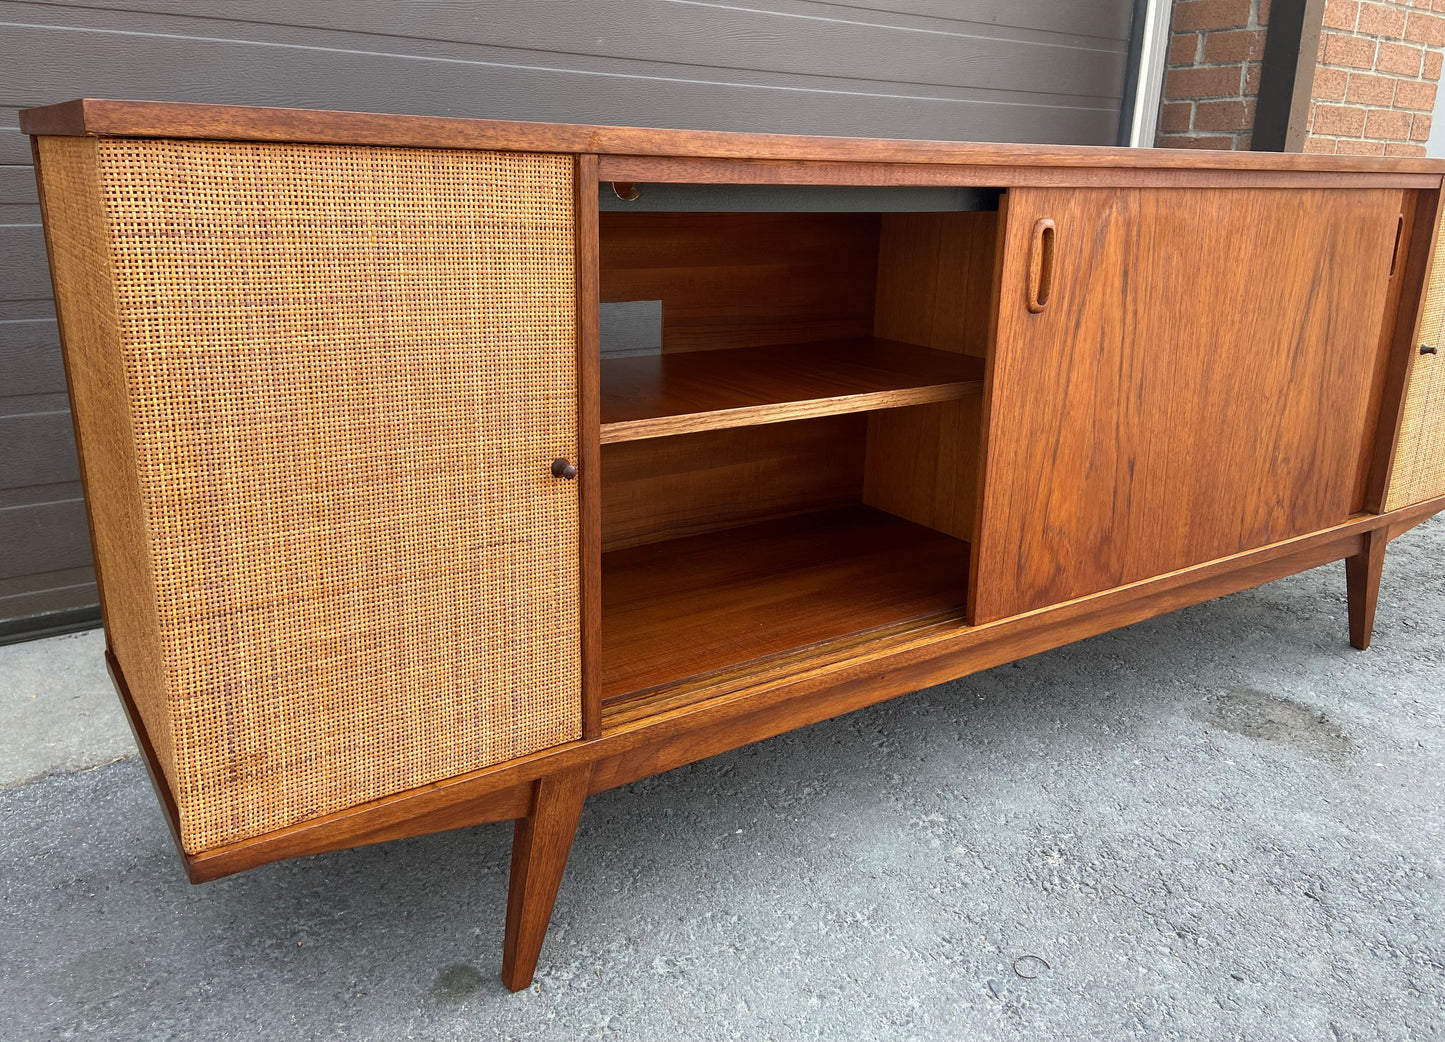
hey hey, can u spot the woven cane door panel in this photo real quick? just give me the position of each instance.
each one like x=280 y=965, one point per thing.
x=349 y=370
x=1419 y=469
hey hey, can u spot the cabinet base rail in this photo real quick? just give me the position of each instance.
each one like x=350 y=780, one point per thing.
x=544 y=793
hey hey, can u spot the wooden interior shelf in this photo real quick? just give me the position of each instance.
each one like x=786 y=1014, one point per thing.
x=691 y=606
x=656 y=395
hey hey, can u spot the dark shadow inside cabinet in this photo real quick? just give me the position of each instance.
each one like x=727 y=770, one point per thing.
x=791 y=414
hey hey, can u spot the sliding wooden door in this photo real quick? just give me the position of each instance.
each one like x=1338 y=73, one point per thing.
x=1179 y=375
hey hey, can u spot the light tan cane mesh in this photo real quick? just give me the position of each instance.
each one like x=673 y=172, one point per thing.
x=349 y=370
x=78 y=237
x=1419 y=469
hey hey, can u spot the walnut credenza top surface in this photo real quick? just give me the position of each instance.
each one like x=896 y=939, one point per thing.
x=693 y=155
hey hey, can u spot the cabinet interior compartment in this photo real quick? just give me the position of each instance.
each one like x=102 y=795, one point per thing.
x=792 y=458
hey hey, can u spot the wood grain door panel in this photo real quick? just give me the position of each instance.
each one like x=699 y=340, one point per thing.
x=1197 y=384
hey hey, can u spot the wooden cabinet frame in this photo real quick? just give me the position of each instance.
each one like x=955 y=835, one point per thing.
x=624 y=740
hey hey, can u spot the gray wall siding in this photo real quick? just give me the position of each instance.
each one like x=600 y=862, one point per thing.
x=987 y=70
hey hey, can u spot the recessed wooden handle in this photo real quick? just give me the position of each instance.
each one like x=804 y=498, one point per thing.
x=562 y=469
x=1041 y=264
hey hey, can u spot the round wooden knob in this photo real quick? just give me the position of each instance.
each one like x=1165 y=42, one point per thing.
x=562 y=469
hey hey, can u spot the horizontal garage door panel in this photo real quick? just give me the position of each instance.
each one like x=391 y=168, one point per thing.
x=368 y=82
x=634 y=39
x=515 y=21
x=44 y=538
x=39 y=449
x=30 y=357
x=24 y=273
x=986 y=70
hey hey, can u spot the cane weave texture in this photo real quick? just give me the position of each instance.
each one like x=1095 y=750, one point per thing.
x=78 y=238
x=1419 y=469
x=349 y=370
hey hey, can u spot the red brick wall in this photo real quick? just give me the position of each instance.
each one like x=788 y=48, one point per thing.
x=1211 y=74
x=1374 y=86
x=1375 y=83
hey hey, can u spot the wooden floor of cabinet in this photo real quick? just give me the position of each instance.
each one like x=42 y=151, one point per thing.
x=687 y=607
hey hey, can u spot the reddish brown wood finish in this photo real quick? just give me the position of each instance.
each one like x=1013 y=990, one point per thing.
x=1041 y=265
x=1362 y=579
x=541 y=842
x=923 y=464
x=935 y=279
x=985 y=445
x=1401 y=339
x=1405 y=521
x=935 y=287
x=694 y=483
x=820 y=696
x=732 y=280
x=243 y=123
x=692 y=606
x=589 y=448
x=985 y=175
x=1197 y=386
x=1398 y=286
x=154 y=770
x=655 y=395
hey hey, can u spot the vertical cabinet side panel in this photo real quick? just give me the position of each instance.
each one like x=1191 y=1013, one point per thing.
x=349 y=370
x=1419 y=218
x=1198 y=383
x=935 y=276
x=589 y=444
x=1418 y=471
x=78 y=242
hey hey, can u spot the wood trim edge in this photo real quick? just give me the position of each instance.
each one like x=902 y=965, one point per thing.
x=152 y=764
x=66 y=119
x=1419 y=263
x=118 y=118
x=1020 y=171
x=782 y=412
x=985 y=433
x=589 y=442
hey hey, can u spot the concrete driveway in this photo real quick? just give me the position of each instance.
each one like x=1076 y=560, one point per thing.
x=1220 y=824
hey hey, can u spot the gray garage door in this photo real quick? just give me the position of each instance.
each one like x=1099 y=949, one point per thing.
x=987 y=70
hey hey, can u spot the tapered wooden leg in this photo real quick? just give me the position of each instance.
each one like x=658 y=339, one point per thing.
x=540 y=845
x=1362 y=583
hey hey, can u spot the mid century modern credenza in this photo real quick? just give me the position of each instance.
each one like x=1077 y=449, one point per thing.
x=389 y=544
